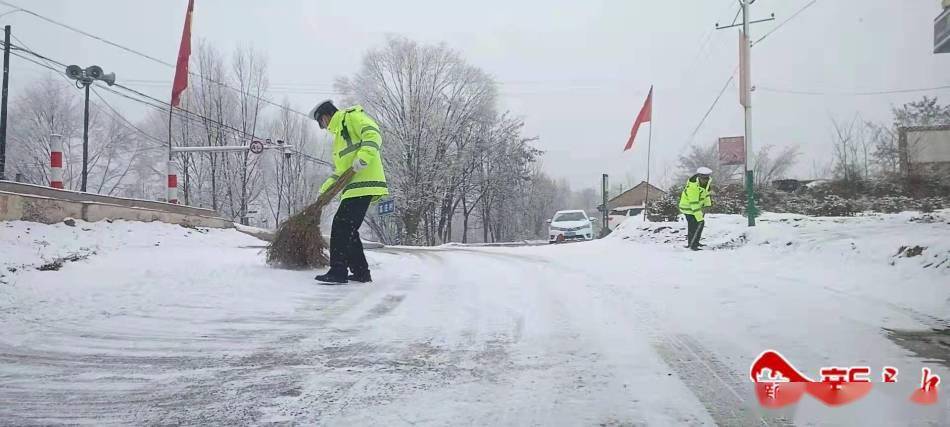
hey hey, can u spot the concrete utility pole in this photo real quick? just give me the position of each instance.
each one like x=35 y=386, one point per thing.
x=747 y=105
x=745 y=98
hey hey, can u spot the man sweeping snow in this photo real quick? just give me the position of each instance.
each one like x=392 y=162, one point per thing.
x=356 y=144
x=694 y=199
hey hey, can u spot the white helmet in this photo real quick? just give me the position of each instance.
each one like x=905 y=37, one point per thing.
x=704 y=171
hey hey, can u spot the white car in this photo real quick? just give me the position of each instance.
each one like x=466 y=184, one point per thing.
x=570 y=225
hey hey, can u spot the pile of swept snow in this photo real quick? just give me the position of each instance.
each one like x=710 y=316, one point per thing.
x=909 y=237
x=35 y=246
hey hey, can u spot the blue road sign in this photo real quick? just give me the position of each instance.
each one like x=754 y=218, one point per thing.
x=386 y=207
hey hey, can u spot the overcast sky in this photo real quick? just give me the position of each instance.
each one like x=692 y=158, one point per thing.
x=577 y=71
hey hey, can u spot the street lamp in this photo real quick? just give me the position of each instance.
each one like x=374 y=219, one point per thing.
x=84 y=78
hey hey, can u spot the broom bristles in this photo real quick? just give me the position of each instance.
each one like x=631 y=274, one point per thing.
x=298 y=243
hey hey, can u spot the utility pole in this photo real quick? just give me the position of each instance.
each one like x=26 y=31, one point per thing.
x=3 y=101
x=85 y=141
x=745 y=98
x=747 y=106
x=85 y=78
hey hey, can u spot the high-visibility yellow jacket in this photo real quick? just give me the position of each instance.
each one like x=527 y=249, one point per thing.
x=355 y=134
x=695 y=197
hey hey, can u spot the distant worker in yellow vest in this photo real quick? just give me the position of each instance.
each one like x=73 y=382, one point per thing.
x=357 y=142
x=694 y=199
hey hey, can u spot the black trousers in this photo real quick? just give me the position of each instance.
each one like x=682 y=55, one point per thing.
x=694 y=230
x=346 y=249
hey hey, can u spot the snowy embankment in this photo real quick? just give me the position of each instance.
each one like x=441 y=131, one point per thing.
x=908 y=238
x=32 y=246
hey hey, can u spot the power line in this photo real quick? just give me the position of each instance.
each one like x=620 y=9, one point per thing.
x=725 y=86
x=868 y=93
x=15 y=10
x=114 y=111
x=121 y=117
x=777 y=27
x=710 y=110
x=150 y=101
x=93 y=36
x=154 y=101
x=144 y=55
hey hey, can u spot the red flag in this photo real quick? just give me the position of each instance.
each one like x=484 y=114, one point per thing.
x=184 y=52
x=646 y=115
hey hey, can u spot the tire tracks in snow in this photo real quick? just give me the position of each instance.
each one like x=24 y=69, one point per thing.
x=378 y=356
x=699 y=368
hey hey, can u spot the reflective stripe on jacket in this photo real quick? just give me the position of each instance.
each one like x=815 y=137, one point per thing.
x=695 y=197
x=356 y=134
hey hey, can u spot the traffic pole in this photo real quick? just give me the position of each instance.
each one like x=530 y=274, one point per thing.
x=56 y=161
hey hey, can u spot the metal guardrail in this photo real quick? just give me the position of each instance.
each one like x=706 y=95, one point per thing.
x=76 y=196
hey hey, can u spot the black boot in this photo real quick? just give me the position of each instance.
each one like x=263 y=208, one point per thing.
x=332 y=277
x=362 y=277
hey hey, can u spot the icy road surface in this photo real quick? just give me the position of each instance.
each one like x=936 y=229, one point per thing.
x=156 y=324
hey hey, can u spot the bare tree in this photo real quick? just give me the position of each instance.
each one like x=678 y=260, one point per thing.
x=846 y=149
x=215 y=103
x=47 y=107
x=52 y=105
x=426 y=100
x=249 y=69
x=885 y=155
x=290 y=179
x=707 y=156
x=768 y=168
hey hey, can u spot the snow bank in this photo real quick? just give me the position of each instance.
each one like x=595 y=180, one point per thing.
x=907 y=238
x=29 y=245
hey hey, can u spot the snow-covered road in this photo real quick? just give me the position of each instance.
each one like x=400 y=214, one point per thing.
x=165 y=325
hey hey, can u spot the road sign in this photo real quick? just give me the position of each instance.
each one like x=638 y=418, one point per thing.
x=257 y=147
x=942 y=32
x=386 y=207
x=732 y=150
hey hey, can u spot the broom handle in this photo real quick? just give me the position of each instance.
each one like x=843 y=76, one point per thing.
x=335 y=189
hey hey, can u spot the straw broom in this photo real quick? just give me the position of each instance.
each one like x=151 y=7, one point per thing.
x=298 y=243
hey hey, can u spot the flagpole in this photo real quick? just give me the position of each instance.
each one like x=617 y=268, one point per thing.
x=170 y=107
x=171 y=184
x=178 y=85
x=646 y=198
